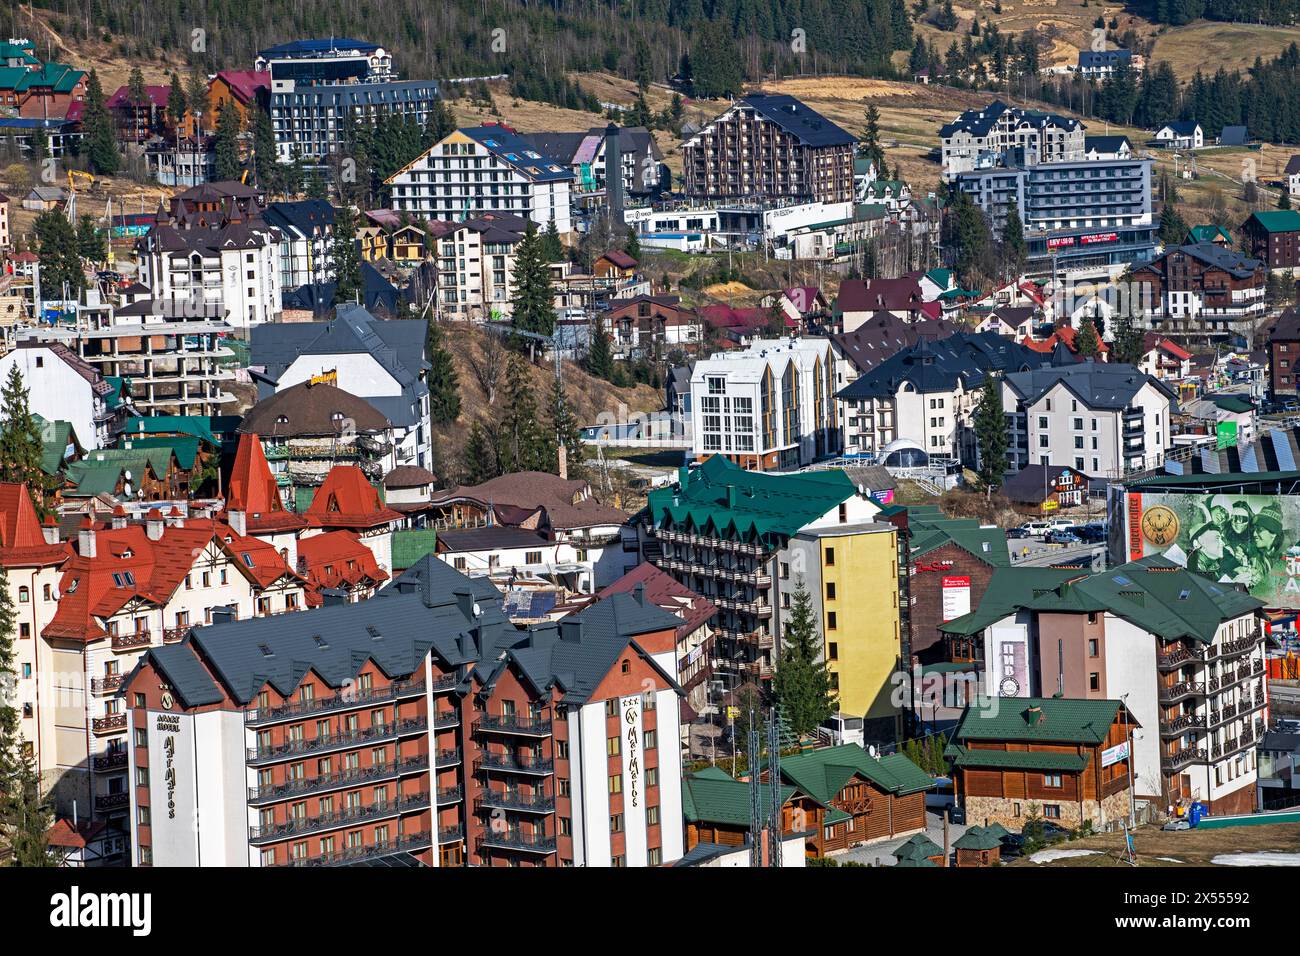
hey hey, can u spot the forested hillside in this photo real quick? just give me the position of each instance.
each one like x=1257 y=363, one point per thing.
x=1178 y=12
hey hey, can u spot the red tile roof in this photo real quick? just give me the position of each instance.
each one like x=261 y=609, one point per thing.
x=1064 y=334
x=252 y=490
x=1153 y=341
x=346 y=499
x=158 y=96
x=244 y=84
x=22 y=540
x=337 y=559
x=666 y=592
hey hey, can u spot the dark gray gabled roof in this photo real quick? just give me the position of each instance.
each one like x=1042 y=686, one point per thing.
x=1099 y=385
x=798 y=119
x=939 y=365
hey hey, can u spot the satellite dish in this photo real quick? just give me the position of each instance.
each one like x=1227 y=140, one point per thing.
x=871 y=749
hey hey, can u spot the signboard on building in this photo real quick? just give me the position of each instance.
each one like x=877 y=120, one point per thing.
x=172 y=793
x=1114 y=754
x=1006 y=649
x=1247 y=540
x=956 y=596
x=1225 y=434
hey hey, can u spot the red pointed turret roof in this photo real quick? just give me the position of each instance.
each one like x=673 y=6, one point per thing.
x=22 y=539
x=347 y=500
x=252 y=490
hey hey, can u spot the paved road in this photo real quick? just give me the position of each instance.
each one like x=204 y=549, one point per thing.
x=1028 y=552
x=880 y=854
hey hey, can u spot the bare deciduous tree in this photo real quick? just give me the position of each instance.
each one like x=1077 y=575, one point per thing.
x=488 y=362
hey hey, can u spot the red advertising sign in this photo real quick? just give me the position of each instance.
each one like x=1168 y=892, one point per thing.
x=1099 y=237
x=956 y=595
x=1060 y=241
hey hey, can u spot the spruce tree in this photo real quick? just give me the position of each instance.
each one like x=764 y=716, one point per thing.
x=564 y=425
x=345 y=257
x=59 y=254
x=600 y=352
x=20 y=440
x=226 y=146
x=552 y=247
x=478 y=457
x=1130 y=342
x=534 y=302
x=444 y=383
x=1013 y=238
x=25 y=817
x=523 y=445
x=177 y=105
x=99 y=130
x=869 y=147
x=991 y=435
x=1284 y=199
x=633 y=244
x=265 y=167
x=1087 y=342
x=90 y=240
x=802 y=682
x=138 y=96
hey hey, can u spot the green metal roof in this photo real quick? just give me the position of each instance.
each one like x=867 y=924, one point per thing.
x=411 y=544
x=1278 y=220
x=919 y=846
x=197 y=425
x=722 y=497
x=1208 y=234
x=56 y=436
x=711 y=795
x=1058 y=720
x=95 y=478
x=1014 y=759
x=185 y=447
x=977 y=838
x=916 y=861
x=929 y=532
x=822 y=773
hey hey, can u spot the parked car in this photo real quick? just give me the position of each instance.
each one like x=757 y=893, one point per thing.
x=1017 y=533
x=1092 y=533
x=1060 y=524
x=1062 y=537
x=1037 y=527
x=1048 y=832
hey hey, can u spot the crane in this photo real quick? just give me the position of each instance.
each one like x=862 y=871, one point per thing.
x=73 y=176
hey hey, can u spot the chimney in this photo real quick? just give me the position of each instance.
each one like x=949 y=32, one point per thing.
x=731 y=496
x=614 y=177
x=562 y=458
x=224 y=614
x=638 y=594
x=119 y=517
x=238 y=521
x=683 y=476
x=86 y=538
x=175 y=519
x=571 y=630
x=51 y=529
x=153 y=524
x=465 y=601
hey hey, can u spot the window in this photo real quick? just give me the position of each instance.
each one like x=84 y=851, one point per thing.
x=611 y=707
x=654 y=856
x=615 y=783
x=1094 y=681
x=830 y=557
x=142 y=816
x=651 y=816
x=651 y=739
x=652 y=777
x=833 y=650
x=830 y=590
x=1052 y=811
x=1093 y=648
x=830 y=621
x=612 y=746
x=142 y=776
x=616 y=823
x=1051 y=780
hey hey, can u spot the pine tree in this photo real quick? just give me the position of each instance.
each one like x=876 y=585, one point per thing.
x=523 y=446
x=534 y=302
x=1087 y=342
x=633 y=245
x=802 y=682
x=90 y=240
x=20 y=440
x=600 y=352
x=59 y=254
x=138 y=96
x=552 y=247
x=1173 y=228
x=991 y=435
x=176 y=103
x=40 y=144
x=1284 y=199
x=265 y=166
x=1013 y=238
x=226 y=145
x=343 y=253
x=716 y=62
x=565 y=428
x=478 y=457
x=1129 y=345
x=444 y=383
x=25 y=817
x=869 y=147
x=98 y=127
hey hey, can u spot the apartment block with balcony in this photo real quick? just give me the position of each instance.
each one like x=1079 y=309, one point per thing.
x=978 y=138
x=768 y=406
x=485 y=169
x=747 y=540
x=1101 y=418
x=334 y=738
x=62 y=386
x=1185 y=653
x=90 y=608
x=1204 y=291
x=771 y=148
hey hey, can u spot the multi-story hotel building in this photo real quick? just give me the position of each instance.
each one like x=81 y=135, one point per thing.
x=88 y=610
x=316 y=85
x=984 y=137
x=1184 y=653
x=769 y=148
x=419 y=725
x=746 y=541
x=1080 y=214
x=768 y=406
x=485 y=169
x=1204 y=290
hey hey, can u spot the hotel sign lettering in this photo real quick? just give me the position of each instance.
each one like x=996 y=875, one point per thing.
x=169 y=725
x=632 y=721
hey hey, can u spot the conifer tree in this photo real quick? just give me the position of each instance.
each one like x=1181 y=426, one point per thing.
x=265 y=167
x=564 y=425
x=600 y=352
x=20 y=440
x=991 y=435
x=1129 y=344
x=226 y=145
x=802 y=682
x=522 y=444
x=534 y=301
x=1013 y=238
x=1087 y=342
x=100 y=133
x=177 y=105
x=59 y=254
x=25 y=817
x=444 y=382
x=90 y=240
x=552 y=247
x=479 y=457
x=343 y=253
x=633 y=245
x=869 y=147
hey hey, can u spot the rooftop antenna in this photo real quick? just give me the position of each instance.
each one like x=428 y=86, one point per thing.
x=755 y=801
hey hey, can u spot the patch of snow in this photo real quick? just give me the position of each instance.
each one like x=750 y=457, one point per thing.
x=1257 y=859
x=1047 y=856
x=1169 y=859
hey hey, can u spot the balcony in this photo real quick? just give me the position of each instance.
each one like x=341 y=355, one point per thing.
x=113 y=723
x=296 y=826
x=1237 y=648
x=1175 y=692
x=346 y=739
x=450 y=835
x=446 y=719
x=1177 y=656
x=499 y=800
x=510 y=840
x=1182 y=724
x=111 y=684
x=449 y=795
x=337 y=781
x=1172 y=763
x=174 y=635
x=403 y=844
x=130 y=641
x=114 y=760
x=348 y=699
x=109 y=802
x=447 y=758
x=507 y=764
x=521 y=726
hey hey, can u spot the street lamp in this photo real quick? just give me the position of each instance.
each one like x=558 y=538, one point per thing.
x=1132 y=804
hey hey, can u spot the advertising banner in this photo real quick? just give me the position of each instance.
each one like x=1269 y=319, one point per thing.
x=1252 y=540
x=956 y=596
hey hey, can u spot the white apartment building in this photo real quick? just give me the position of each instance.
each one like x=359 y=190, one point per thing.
x=231 y=273
x=1100 y=418
x=306 y=231
x=484 y=169
x=979 y=138
x=769 y=406
x=476 y=264
x=61 y=386
x=99 y=604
